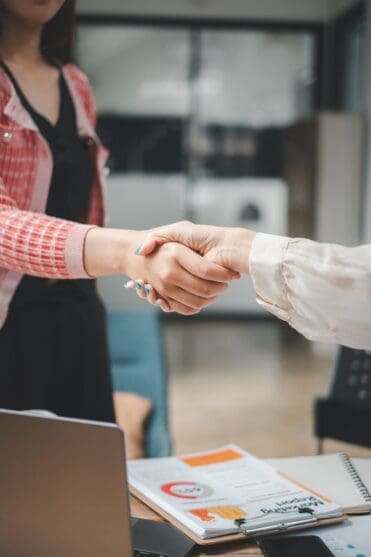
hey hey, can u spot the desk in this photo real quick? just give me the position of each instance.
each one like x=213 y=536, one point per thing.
x=140 y=510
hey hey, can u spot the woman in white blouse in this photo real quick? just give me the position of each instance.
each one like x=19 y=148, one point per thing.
x=322 y=290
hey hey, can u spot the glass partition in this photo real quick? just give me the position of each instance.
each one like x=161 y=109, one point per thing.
x=198 y=101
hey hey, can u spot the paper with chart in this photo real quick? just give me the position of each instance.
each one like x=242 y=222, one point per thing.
x=208 y=491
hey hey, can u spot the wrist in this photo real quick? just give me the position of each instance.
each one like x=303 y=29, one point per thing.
x=109 y=251
x=240 y=240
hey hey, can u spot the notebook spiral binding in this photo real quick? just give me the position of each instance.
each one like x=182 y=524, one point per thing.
x=356 y=478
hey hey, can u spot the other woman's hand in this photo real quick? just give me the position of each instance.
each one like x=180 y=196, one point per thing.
x=228 y=247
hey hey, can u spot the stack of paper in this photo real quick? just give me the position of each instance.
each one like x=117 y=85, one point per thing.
x=214 y=493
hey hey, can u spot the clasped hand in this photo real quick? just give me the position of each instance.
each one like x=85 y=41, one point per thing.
x=207 y=256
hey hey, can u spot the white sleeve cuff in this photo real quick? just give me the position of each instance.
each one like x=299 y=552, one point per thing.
x=265 y=263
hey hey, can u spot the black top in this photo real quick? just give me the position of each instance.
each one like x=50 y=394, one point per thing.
x=70 y=187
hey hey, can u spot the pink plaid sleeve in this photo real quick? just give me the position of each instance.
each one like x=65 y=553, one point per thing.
x=36 y=244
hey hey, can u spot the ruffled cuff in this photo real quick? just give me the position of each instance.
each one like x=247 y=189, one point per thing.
x=266 y=260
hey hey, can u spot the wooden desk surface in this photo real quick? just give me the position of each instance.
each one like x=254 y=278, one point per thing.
x=140 y=510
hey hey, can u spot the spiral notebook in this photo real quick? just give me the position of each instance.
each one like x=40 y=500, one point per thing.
x=344 y=480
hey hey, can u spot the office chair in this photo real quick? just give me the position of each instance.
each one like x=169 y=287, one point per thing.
x=138 y=365
x=345 y=414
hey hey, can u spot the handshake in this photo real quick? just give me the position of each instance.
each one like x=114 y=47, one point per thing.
x=184 y=267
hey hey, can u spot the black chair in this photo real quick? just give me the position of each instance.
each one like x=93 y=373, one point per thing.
x=345 y=414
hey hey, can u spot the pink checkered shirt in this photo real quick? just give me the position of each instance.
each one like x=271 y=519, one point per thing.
x=31 y=242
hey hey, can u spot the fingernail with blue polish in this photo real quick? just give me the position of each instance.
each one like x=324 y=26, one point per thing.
x=147 y=289
x=127 y=284
x=137 y=251
x=138 y=284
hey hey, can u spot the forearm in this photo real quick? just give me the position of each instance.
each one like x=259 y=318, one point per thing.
x=109 y=251
x=322 y=290
x=39 y=245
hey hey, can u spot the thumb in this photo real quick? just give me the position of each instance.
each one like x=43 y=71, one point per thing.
x=176 y=232
x=149 y=245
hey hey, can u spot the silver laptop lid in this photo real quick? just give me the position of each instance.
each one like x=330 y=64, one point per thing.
x=63 y=489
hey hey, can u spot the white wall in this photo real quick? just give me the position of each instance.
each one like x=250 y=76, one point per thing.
x=335 y=8
x=310 y=10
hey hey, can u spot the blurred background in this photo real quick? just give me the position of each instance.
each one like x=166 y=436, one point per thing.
x=246 y=113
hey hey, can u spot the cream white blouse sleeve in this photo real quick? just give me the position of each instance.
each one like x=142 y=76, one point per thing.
x=322 y=290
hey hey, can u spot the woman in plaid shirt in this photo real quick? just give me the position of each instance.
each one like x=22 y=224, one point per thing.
x=53 y=350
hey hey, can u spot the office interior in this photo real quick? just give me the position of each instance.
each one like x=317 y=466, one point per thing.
x=239 y=113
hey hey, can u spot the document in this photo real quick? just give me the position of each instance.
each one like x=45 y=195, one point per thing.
x=217 y=492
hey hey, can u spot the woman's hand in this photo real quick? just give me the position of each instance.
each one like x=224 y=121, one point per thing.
x=228 y=247
x=184 y=280
x=180 y=277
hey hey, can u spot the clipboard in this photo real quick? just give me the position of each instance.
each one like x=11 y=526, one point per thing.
x=246 y=533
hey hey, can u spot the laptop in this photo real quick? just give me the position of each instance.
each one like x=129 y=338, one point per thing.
x=64 y=493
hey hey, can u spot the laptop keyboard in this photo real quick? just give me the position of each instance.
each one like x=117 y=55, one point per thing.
x=148 y=554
